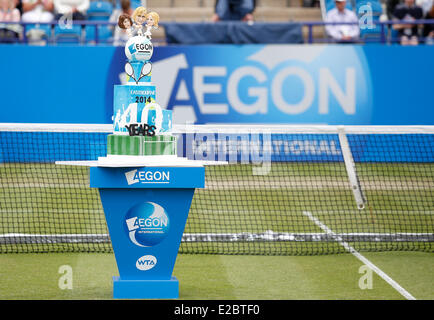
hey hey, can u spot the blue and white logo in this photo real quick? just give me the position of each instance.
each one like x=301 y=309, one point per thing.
x=139 y=49
x=146 y=262
x=147 y=176
x=147 y=224
x=271 y=83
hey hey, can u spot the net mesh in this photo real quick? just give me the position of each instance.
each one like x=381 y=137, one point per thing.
x=282 y=193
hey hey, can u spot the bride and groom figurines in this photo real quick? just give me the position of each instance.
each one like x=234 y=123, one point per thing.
x=140 y=24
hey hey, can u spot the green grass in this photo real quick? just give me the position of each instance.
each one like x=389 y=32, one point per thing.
x=49 y=199
x=217 y=277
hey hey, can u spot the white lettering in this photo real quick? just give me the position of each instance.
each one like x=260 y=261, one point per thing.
x=153 y=176
x=277 y=88
x=366 y=17
x=202 y=311
x=346 y=100
x=152 y=222
x=148 y=175
x=260 y=106
x=157 y=175
x=365 y=281
x=249 y=99
x=201 y=88
x=65 y=281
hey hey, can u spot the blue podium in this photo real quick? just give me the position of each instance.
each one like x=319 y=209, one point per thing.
x=146 y=209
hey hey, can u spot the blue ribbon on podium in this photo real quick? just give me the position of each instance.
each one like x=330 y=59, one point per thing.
x=146 y=209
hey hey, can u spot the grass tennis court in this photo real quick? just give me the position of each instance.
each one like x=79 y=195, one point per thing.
x=221 y=277
x=48 y=199
x=272 y=229
x=209 y=277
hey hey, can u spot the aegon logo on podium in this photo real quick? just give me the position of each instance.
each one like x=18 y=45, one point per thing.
x=147 y=176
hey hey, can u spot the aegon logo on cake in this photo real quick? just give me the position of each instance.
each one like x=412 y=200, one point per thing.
x=140 y=47
x=143 y=46
x=147 y=224
x=144 y=175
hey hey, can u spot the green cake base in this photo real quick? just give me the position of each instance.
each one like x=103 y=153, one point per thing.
x=141 y=145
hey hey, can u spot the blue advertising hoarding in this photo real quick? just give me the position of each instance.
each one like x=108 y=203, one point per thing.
x=257 y=148
x=290 y=84
x=268 y=84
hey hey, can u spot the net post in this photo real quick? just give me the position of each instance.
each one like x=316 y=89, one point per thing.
x=351 y=169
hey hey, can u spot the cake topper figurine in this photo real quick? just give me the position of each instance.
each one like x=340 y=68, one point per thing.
x=139 y=18
x=139 y=48
x=152 y=19
x=134 y=26
x=125 y=22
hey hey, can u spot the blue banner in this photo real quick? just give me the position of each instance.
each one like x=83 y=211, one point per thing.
x=260 y=148
x=321 y=84
x=148 y=177
x=256 y=148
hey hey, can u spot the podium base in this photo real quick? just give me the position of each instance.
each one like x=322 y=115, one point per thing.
x=145 y=289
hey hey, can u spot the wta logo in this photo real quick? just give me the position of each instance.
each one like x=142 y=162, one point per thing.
x=147 y=224
x=146 y=262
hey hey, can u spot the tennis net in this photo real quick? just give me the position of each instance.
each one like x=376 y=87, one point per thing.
x=284 y=190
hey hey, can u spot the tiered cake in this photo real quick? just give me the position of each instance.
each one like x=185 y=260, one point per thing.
x=140 y=126
x=142 y=130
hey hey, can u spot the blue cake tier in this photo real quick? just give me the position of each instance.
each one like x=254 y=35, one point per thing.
x=135 y=104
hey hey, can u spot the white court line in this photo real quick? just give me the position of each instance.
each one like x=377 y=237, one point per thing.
x=368 y=263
